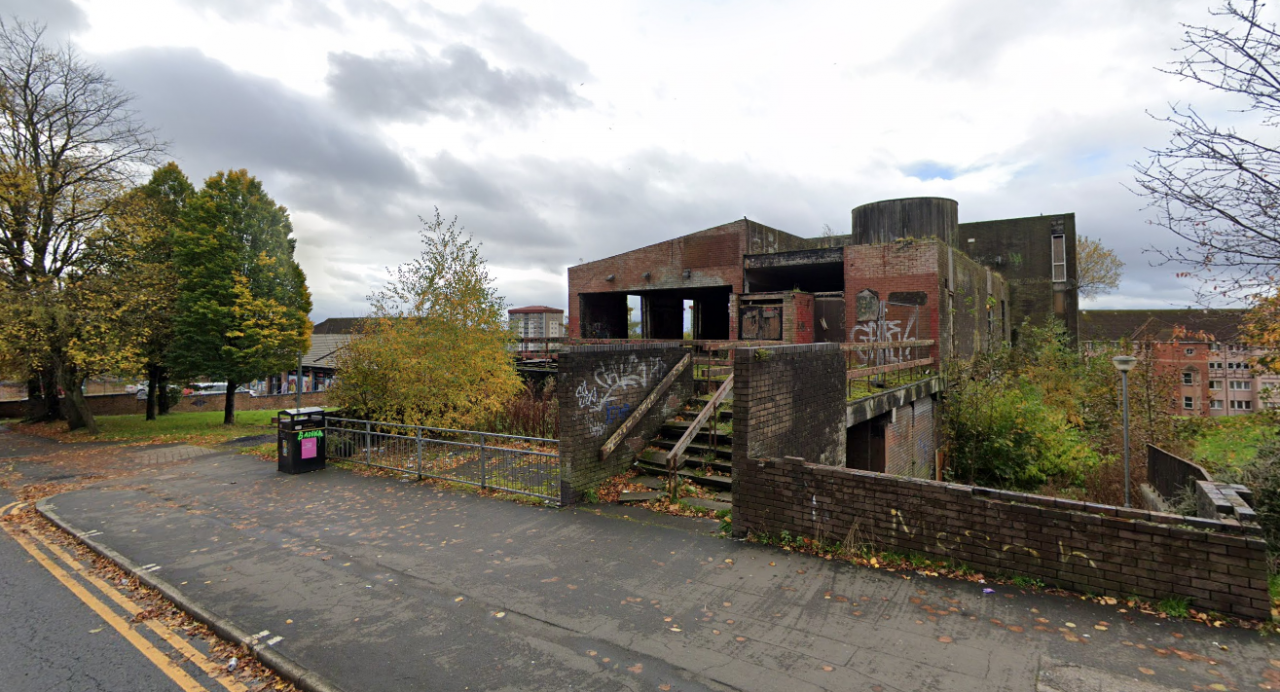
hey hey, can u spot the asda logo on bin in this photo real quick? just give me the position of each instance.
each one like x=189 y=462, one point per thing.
x=310 y=433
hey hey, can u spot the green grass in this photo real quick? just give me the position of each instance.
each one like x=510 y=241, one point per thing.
x=1176 y=606
x=204 y=427
x=1232 y=440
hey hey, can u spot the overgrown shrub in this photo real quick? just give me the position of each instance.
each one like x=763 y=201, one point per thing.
x=1045 y=416
x=535 y=412
x=1006 y=436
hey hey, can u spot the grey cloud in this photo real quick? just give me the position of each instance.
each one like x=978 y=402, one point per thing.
x=503 y=32
x=61 y=17
x=460 y=82
x=302 y=11
x=967 y=37
x=219 y=118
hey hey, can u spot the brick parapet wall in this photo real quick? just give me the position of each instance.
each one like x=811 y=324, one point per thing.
x=713 y=258
x=126 y=404
x=1219 y=565
x=789 y=400
x=599 y=387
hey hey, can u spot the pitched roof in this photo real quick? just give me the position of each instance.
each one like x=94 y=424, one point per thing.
x=1158 y=325
x=323 y=349
x=337 y=325
x=532 y=309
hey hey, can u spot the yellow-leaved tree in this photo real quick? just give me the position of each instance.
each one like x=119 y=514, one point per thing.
x=434 y=350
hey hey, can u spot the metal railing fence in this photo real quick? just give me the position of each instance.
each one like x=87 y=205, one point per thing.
x=510 y=463
x=875 y=366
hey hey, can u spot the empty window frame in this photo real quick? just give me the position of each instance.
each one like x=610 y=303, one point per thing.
x=1059 y=249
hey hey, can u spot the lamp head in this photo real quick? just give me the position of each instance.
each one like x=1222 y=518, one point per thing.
x=1124 y=363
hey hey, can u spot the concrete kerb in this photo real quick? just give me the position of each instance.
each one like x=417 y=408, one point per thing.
x=291 y=670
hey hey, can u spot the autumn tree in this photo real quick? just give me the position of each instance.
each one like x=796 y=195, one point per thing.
x=242 y=301
x=1215 y=186
x=147 y=221
x=1097 y=268
x=69 y=144
x=433 y=351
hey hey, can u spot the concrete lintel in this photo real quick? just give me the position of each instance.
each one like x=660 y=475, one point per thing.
x=869 y=407
x=794 y=258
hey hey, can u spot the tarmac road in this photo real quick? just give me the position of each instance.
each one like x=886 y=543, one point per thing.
x=67 y=630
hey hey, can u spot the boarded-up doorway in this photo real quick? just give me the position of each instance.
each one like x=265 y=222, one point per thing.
x=828 y=317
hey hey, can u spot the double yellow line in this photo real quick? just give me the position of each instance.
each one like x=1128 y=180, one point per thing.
x=29 y=540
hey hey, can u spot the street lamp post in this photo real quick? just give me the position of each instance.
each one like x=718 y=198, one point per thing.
x=1124 y=364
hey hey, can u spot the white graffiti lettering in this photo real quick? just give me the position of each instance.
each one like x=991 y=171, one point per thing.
x=608 y=383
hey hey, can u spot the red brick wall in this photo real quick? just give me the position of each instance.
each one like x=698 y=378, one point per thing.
x=1110 y=550
x=1171 y=360
x=713 y=258
x=802 y=321
x=892 y=268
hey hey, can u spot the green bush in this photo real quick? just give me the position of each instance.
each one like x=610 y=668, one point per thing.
x=1004 y=435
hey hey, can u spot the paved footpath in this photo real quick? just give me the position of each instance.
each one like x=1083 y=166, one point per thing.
x=377 y=584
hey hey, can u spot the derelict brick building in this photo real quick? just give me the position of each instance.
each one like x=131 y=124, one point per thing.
x=907 y=289
x=908 y=270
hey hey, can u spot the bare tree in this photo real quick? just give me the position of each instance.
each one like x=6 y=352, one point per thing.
x=1215 y=187
x=69 y=144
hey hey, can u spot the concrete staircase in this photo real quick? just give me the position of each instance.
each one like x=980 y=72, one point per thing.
x=707 y=459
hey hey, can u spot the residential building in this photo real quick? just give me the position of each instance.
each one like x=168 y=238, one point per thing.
x=537 y=322
x=1201 y=349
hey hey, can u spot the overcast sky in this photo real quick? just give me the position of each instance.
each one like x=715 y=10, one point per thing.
x=561 y=131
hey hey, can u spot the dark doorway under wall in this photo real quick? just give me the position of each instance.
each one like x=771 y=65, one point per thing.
x=865 y=444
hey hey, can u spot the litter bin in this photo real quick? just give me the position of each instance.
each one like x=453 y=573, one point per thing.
x=301 y=434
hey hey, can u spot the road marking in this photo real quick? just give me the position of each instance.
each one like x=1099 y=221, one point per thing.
x=275 y=640
x=212 y=669
x=146 y=648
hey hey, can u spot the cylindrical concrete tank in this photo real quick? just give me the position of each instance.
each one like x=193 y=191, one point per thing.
x=913 y=217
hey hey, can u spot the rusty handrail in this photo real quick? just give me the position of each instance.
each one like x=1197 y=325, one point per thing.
x=716 y=399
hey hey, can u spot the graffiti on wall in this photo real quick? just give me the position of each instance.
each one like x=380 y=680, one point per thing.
x=599 y=396
x=887 y=321
x=945 y=542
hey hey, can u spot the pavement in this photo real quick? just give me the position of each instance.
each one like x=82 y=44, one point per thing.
x=374 y=583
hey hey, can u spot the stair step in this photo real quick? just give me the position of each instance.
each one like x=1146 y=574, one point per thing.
x=723 y=483
x=719 y=482
x=707 y=504
x=674 y=430
x=657 y=462
x=721 y=466
x=698 y=449
x=639 y=496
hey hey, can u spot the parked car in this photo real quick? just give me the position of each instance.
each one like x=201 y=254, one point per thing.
x=209 y=388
